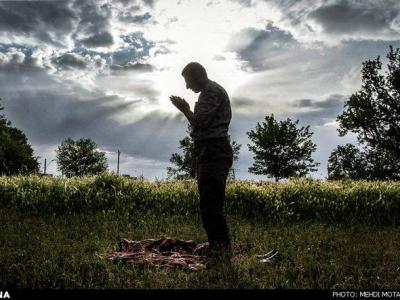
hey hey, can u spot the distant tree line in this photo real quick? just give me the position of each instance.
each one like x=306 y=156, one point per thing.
x=281 y=149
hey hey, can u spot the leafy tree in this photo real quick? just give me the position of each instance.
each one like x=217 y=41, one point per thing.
x=347 y=162
x=16 y=155
x=185 y=165
x=373 y=113
x=80 y=158
x=381 y=164
x=236 y=150
x=281 y=149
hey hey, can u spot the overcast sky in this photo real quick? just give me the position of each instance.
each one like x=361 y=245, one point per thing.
x=105 y=69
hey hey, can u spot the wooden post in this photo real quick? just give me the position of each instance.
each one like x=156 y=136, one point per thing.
x=118 y=162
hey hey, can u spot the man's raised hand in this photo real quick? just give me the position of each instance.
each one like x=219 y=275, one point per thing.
x=180 y=103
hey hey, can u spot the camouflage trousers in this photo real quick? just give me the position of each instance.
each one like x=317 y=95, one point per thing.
x=214 y=157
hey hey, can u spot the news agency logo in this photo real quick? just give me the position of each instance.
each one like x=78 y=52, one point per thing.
x=4 y=295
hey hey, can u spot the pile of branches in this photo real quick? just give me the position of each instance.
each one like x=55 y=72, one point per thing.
x=165 y=252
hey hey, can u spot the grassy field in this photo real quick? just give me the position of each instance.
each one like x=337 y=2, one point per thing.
x=376 y=203
x=54 y=233
x=53 y=251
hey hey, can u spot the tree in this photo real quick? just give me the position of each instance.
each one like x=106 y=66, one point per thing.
x=373 y=113
x=236 y=150
x=281 y=150
x=16 y=155
x=80 y=158
x=347 y=162
x=185 y=164
x=381 y=165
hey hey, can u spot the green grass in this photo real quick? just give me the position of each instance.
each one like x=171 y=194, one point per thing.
x=53 y=251
x=54 y=233
x=294 y=201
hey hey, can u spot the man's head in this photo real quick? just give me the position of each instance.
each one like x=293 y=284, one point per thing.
x=195 y=76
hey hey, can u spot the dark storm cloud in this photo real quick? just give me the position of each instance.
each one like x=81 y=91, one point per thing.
x=48 y=21
x=331 y=102
x=133 y=67
x=261 y=49
x=356 y=16
x=28 y=16
x=88 y=22
x=98 y=39
x=275 y=49
x=50 y=110
x=129 y=57
x=149 y=2
x=94 y=24
x=319 y=112
x=93 y=17
x=350 y=54
x=139 y=19
x=338 y=17
x=21 y=61
x=136 y=3
x=70 y=60
x=241 y=103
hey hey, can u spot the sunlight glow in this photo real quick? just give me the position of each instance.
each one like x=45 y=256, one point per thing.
x=200 y=33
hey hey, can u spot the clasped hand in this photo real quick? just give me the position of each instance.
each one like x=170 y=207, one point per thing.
x=180 y=103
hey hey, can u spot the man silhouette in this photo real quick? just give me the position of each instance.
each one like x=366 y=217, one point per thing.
x=213 y=154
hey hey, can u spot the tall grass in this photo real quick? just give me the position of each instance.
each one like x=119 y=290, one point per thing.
x=68 y=252
x=340 y=201
x=55 y=232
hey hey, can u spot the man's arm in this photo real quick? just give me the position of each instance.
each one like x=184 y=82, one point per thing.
x=184 y=107
x=189 y=115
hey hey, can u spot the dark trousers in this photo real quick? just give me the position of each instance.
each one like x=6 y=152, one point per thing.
x=214 y=159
